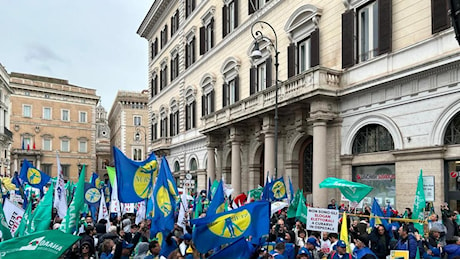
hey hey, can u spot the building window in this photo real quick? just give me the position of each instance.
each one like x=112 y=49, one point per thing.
x=207 y=99
x=163 y=123
x=65 y=146
x=230 y=88
x=254 y=5
x=137 y=120
x=47 y=168
x=47 y=113
x=174 y=65
x=440 y=18
x=230 y=17
x=193 y=165
x=65 y=115
x=154 y=85
x=137 y=154
x=190 y=51
x=154 y=48
x=26 y=110
x=260 y=74
x=374 y=32
x=176 y=166
x=207 y=33
x=382 y=178
x=82 y=146
x=452 y=135
x=154 y=128
x=65 y=170
x=175 y=23
x=303 y=55
x=82 y=118
x=163 y=76
x=47 y=144
x=190 y=110
x=174 y=119
x=26 y=142
x=189 y=7
x=372 y=138
x=164 y=36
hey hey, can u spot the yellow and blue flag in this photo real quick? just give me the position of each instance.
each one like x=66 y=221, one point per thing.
x=134 y=179
x=217 y=204
x=92 y=195
x=33 y=176
x=377 y=212
x=96 y=181
x=164 y=166
x=164 y=201
x=275 y=190
x=227 y=227
x=240 y=249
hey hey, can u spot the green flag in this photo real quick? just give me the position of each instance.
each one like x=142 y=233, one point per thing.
x=292 y=210
x=112 y=174
x=69 y=186
x=5 y=232
x=419 y=204
x=302 y=210
x=198 y=207
x=25 y=221
x=353 y=191
x=214 y=186
x=42 y=215
x=39 y=245
x=255 y=194
x=69 y=223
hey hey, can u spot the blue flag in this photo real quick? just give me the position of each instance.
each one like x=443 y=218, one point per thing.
x=33 y=176
x=291 y=189
x=171 y=181
x=249 y=220
x=217 y=204
x=134 y=179
x=164 y=201
x=92 y=195
x=377 y=212
x=96 y=181
x=240 y=249
x=275 y=190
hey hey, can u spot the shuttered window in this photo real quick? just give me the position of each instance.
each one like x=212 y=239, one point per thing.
x=439 y=15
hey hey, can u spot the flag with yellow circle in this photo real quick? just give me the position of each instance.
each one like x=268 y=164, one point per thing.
x=33 y=176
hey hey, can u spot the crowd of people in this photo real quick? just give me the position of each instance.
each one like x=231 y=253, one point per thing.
x=287 y=238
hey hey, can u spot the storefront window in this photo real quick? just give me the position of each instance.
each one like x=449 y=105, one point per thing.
x=382 y=179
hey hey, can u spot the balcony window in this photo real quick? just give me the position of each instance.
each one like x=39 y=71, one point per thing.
x=230 y=17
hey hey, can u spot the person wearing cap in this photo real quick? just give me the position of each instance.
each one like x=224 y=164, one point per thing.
x=312 y=247
x=340 y=251
x=453 y=250
x=434 y=237
x=361 y=248
x=186 y=241
x=126 y=249
x=303 y=253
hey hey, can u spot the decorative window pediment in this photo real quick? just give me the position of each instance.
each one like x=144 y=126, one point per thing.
x=207 y=17
x=303 y=22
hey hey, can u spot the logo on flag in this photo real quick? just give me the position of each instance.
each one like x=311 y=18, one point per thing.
x=92 y=195
x=163 y=201
x=231 y=225
x=142 y=181
x=33 y=176
x=33 y=244
x=279 y=189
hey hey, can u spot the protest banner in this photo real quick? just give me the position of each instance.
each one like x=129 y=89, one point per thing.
x=13 y=215
x=324 y=220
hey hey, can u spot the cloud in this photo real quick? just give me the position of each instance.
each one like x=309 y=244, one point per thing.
x=42 y=54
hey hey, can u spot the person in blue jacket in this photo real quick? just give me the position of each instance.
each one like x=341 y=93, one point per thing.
x=407 y=241
x=361 y=248
x=453 y=250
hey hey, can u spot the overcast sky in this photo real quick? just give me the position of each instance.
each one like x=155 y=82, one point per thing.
x=90 y=43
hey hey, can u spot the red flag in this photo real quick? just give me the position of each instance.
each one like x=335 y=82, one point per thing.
x=28 y=147
x=34 y=146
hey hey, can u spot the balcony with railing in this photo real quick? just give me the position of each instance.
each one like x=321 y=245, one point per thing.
x=314 y=82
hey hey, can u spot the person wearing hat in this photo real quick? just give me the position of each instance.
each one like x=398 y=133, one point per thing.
x=303 y=253
x=435 y=239
x=187 y=248
x=361 y=248
x=126 y=249
x=340 y=251
x=277 y=253
x=312 y=247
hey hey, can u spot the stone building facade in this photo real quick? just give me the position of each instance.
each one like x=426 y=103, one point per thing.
x=6 y=136
x=50 y=116
x=128 y=118
x=365 y=90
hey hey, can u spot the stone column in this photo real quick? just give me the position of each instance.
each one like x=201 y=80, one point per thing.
x=38 y=158
x=15 y=163
x=236 y=162
x=269 y=148
x=218 y=163
x=319 y=163
x=211 y=163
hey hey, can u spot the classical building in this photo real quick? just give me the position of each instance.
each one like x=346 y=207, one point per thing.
x=49 y=116
x=103 y=148
x=364 y=90
x=128 y=122
x=6 y=136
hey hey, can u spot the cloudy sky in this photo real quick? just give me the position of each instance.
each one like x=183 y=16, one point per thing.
x=90 y=43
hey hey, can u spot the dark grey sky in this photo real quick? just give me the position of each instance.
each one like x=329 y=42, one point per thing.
x=90 y=43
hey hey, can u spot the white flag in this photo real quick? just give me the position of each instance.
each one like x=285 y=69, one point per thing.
x=13 y=215
x=103 y=212
x=60 y=199
x=182 y=218
x=114 y=202
x=140 y=214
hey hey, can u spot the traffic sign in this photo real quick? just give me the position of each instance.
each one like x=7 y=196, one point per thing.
x=454 y=174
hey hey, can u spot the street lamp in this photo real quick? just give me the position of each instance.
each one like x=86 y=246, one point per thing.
x=137 y=136
x=256 y=54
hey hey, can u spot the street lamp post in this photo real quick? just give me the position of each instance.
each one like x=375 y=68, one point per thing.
x=142 y=129
x=256 y=53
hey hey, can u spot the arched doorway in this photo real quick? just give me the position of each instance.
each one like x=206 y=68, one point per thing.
x=306 y=166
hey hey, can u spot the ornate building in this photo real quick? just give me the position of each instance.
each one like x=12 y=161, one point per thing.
x=51 y=116
x=6 y=136
x=103 y=149
x=364 y=90
x=128 y=121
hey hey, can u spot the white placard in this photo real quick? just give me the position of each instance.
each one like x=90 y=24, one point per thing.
x=13 y=215
x=325 y=220
x=127 y=207
x=428 y=187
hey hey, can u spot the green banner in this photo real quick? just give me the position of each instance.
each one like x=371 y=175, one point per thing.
x=419 y=204
x=42 y=214
x=302 y=210
x=39 y=245
x=70 y=222
x=353 y=191
x=292 y=210
x=4 y=229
